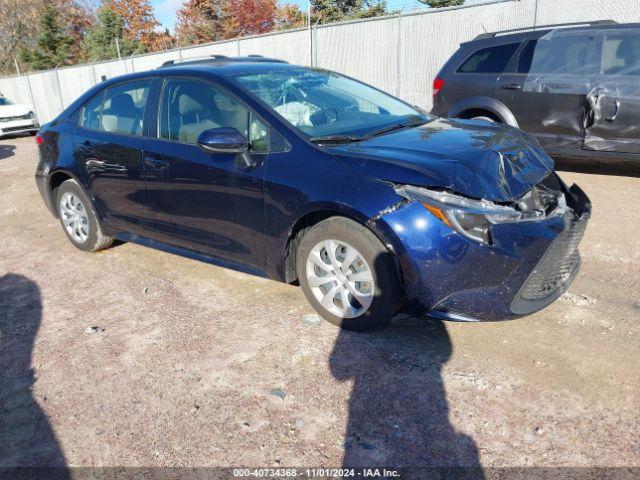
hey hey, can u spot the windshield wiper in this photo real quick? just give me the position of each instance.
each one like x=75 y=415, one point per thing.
x=412 y=121
x=336 y=139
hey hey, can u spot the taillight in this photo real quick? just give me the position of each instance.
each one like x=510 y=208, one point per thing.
x=438 y=83
x=39 y=139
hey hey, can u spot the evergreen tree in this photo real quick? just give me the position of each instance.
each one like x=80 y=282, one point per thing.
x=328 y=11
x=101 y=39
x=443 y=3
x=54 y=45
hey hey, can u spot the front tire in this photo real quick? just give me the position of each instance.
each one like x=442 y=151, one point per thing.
x=78 y=218
x=348 y=275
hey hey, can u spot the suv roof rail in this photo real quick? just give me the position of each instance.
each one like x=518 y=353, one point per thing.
x=542 y=27
x=220 y=58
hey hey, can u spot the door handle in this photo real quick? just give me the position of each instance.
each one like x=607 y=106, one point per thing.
x=611 y=118
x=511 y=86
x=155 y=162
x=94 y=165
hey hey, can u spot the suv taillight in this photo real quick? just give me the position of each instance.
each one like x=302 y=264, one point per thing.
x=438 y=83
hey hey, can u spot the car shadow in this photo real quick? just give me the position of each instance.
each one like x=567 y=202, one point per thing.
x=26 y=436
x=7 y=151
x=398 y=410
x=619 y=168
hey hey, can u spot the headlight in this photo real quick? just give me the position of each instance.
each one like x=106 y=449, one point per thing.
x=32 y=115
x=471 y=218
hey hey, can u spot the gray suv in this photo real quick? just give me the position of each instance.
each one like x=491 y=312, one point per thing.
x=575 y=87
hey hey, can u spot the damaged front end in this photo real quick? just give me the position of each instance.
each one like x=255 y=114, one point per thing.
x=470 y=259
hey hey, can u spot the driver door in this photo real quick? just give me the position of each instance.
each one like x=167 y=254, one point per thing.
x=206 y=202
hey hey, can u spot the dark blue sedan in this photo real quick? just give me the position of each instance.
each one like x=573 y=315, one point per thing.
x=307 y=176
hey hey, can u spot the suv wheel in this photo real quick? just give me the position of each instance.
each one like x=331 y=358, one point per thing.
x=79 y=220
x=347 y=275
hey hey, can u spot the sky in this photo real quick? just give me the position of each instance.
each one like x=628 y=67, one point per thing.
x=166 y=9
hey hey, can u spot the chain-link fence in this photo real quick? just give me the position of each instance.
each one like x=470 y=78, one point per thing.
x=400 y=54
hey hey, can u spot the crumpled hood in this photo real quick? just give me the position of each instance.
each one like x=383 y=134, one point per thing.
x=494 y=162
x=14 y=110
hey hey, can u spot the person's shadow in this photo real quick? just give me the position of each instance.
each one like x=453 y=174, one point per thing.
x=26 y=437
x=398 y=412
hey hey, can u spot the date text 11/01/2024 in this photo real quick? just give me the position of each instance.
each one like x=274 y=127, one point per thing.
x=316 y=473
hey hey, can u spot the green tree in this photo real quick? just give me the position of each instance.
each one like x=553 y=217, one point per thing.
x=101 y=38
x=327 y=11
x=54 y=45
x=443 y=3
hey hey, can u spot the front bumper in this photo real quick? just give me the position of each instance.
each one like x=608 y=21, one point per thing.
x=529 y=265
x=18 y=126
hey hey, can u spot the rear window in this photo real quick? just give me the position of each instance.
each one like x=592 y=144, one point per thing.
x=621 y=55
x=489 y=60
x=118 y=110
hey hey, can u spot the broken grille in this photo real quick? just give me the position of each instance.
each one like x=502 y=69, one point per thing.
x=557 y=265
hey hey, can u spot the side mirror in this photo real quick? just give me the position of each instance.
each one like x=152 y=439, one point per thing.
x=223 y=140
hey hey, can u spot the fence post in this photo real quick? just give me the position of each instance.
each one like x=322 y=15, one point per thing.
x=59 y=89
x=535 y=15
x=238 y=46
x=398 y=53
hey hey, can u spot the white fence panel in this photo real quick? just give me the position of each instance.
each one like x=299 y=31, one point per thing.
x=292 y=46
x=73 y=81
x=110 y=69
x=154 y=60
x=367 y=51
x=228 y=48
x=555 y=11
x=15 y=89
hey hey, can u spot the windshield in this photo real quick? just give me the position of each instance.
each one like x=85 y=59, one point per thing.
x=4 y=101
x=321 y=103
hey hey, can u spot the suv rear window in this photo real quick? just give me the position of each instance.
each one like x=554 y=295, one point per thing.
x=621 y=55
x=566 y=54
x=489 y=60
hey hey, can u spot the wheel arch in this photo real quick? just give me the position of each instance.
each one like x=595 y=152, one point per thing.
x=312 y=218
x=56 y=178
x=484 y=104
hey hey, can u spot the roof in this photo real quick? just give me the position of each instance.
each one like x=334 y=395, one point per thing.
x=541 y=30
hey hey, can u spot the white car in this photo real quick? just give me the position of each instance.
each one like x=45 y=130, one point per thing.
x=16 y=118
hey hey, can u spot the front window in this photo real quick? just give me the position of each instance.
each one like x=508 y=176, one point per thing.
x=321 y=103
x=189 y=107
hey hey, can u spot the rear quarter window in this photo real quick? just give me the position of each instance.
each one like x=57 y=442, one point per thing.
x=489 y=60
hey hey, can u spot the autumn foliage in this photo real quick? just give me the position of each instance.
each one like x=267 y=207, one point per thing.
x=50 y=33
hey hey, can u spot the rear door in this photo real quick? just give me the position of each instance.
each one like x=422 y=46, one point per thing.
x=614 y=125
x=547 y=87
x=474 y=80
x=108 y=143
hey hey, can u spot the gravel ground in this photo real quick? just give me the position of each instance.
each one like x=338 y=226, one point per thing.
x=190 y=364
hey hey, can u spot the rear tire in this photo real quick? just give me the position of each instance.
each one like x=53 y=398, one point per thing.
x=78 y=218
x=347 y=275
